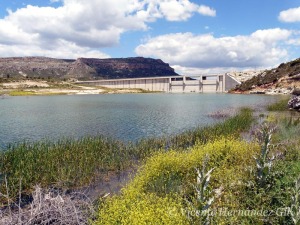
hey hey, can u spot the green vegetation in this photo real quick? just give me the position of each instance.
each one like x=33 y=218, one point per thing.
x=65 y=164
x=21 y=93
x=281 y=105
x=230 y=127
x=241 y=190
x=72 y=163
x=167 y=175
x=204 y=176
x=32 y=93
x=272 y=76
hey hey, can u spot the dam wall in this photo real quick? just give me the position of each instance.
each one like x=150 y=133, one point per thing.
x=171 y=84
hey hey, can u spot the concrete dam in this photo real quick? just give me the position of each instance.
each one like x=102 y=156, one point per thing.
x=172 y=84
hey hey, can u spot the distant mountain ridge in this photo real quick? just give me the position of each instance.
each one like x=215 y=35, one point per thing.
x=83 y=68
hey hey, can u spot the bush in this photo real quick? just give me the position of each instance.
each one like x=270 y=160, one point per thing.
x=167 y=174
x=140 y=208
x=281 y=105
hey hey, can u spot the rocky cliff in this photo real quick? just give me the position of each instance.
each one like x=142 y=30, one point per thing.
x=83 y=68
x=285 y=77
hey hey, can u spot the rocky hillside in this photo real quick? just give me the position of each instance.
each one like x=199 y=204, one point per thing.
x=242 y=76
x=83 y=68
x=285 y=77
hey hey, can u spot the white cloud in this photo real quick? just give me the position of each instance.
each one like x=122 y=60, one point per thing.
x=171 y=10
x=271 y=35
x=207 y=11
x=62 y=50
x=295 y=42
x=177 y=10
x=208 y=53
x=85 y=24
x=290 y=15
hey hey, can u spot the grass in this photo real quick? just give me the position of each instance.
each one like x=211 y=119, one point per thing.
x=22 y=93
x=50 y=206
x=30 y=93
x=281 y=105
x=167 y=177
x=158 y=193
x=230 y=127
x=33 y=93
x=70 y=163
x=62 y=164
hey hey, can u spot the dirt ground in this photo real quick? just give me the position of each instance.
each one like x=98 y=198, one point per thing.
x=47 y=88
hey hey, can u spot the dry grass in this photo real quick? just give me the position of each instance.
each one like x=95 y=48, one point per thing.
x=49 y=206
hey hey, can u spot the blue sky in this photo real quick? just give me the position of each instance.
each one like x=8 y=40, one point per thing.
x=193 y=36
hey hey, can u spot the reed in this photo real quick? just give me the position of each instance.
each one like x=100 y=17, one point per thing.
x=230 y=127
x=281 y=105
x=65 y=164
x=70 y=163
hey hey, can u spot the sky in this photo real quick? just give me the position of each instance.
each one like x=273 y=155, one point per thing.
x=193 y=36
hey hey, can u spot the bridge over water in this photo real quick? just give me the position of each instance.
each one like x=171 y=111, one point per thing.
x=172 y=84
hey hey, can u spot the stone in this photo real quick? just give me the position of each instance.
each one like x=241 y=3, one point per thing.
x=83 y=68
x=296 y=92
x=294 y=102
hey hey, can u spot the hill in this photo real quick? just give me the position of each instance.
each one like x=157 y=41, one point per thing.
x=285 y=77
x=83 y=68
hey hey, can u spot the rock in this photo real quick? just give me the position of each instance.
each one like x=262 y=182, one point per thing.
x=38 y=67
x=257 y=92
x=276 y=91
x=294 y=102
x=83 y=68
x=128 y=67
x=296 y=92
x=285 y=75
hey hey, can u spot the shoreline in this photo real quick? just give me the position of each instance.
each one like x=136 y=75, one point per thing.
x=129 y=175
x=106 y=150
x=48 y=88
x=45 y=88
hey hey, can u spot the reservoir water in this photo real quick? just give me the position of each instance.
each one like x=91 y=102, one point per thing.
x=127 y=117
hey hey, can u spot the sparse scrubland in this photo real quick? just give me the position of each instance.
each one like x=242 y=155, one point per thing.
x=204 y=176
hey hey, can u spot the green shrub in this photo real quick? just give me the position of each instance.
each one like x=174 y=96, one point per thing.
x=227 y=156
x=281 y=105
x=169 y=175
x=141 y=209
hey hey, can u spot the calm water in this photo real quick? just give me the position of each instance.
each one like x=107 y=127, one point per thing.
x=125 y=116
